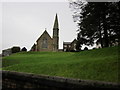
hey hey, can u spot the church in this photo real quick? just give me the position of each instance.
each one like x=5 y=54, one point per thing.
x=47 y=43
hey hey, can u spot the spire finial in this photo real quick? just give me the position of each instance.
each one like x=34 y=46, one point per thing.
x=56 y=22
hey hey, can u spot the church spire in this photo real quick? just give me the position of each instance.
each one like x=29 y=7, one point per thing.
x=56 y=35
x=56 y=22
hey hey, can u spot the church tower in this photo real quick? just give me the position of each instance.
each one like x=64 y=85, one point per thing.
x=56 y=34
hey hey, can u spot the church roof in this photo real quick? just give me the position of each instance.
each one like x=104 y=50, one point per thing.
x=45 y=32
x=70 y=42
x=66 y=42
x=56 y=22
x=74 y=40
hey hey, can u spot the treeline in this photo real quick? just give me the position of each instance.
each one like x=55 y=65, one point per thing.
x=12 y=50
x=98 y=22
x=17 y=49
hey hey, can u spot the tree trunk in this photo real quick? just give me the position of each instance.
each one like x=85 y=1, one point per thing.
x=100 y=37
x=105 y=27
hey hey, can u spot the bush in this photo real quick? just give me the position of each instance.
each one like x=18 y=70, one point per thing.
x=24 y=49
x=85 y=48
x=15 y=49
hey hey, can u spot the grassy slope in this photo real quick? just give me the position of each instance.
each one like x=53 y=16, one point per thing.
x=99 y=64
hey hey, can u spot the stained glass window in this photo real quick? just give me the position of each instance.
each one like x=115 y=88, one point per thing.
x=44 y=43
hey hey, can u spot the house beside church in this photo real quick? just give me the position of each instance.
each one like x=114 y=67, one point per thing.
x=7 y=52
x=69 y=46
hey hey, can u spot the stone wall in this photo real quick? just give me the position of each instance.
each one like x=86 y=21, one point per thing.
x=20 y=80
x=0 y=80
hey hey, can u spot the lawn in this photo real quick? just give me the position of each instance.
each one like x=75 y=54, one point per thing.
x=97 y=64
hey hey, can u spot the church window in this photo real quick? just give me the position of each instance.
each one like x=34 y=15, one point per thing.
x=44 y=43
x=65 y=45
x=69 y=46
x=74 y=45
x=64 y=49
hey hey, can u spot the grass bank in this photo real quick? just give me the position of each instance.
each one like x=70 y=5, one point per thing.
x=98 y=64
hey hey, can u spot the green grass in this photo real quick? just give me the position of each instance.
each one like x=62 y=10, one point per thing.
x=98 y=64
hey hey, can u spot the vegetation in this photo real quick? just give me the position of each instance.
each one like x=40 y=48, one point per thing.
x=97 y=64
x=23 y=49
x=97 y=22
x=15 y=49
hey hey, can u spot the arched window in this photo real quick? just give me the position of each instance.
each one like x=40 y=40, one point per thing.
x=44 y=43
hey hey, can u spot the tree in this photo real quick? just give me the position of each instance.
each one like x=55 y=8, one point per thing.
x=97 y=21
x=15 y=49
x=23 y=49
x=85 y=48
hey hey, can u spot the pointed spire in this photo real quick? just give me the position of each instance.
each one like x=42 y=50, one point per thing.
x=56 y=22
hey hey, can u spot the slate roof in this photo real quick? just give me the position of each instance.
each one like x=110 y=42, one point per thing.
x=66 y=42
x=45 y=32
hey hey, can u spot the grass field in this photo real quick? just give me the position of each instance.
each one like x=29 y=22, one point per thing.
x=98 y=64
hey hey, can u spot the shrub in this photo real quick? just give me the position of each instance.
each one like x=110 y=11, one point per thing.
x=85 y=48
x=24 y=49
x=15 y=49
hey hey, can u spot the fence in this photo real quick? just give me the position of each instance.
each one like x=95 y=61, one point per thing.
x=20 y=80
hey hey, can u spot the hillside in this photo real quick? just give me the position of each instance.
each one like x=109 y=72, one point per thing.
x=98 y=64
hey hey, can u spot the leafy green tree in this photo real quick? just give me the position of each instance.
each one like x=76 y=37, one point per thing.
x=97 y=21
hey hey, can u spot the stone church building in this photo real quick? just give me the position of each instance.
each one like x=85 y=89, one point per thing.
x=47 y=43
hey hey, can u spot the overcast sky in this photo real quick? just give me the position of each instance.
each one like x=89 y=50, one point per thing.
x=24 y=22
